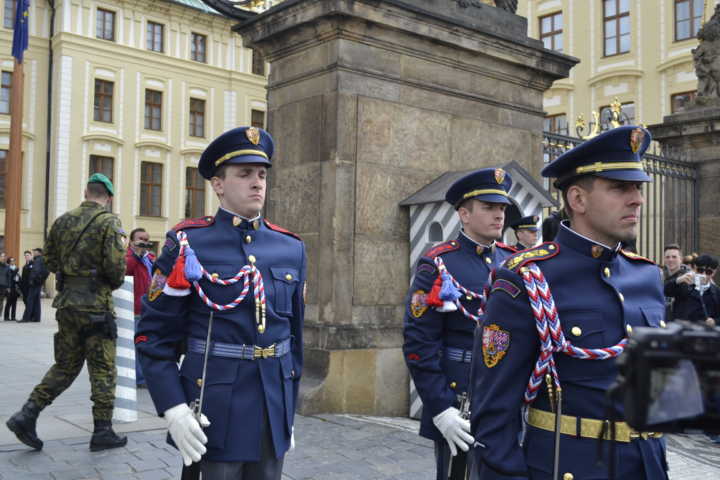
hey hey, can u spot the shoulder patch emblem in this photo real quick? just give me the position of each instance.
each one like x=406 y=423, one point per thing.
x=541 y=252
x=506 y=286
x=194 y=223
x=444 y=247
x=156 y=285
x=426 y=268
x=276 y=228
x=635 y=256
x=418 y=303
x=495 y=344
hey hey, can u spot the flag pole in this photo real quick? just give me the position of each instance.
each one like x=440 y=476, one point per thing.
x=14 y=167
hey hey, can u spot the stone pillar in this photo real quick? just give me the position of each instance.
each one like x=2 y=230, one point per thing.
x=368 y=101
x=695 y=134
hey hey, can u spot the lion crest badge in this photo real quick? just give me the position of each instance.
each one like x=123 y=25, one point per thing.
x=636 y=139
x=499 y=175
x=253 y=134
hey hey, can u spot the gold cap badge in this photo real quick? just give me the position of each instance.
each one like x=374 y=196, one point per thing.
x=253 y=134
x=636 y=139
x=499 y=175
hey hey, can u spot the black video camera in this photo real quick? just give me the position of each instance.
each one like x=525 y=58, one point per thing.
x=670 y=378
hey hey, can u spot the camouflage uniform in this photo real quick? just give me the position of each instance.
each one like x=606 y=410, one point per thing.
x=89 y=273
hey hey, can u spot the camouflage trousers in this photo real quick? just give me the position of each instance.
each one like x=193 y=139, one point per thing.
x=76 y=342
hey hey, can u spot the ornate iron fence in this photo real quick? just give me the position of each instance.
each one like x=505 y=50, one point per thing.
x=670 y=214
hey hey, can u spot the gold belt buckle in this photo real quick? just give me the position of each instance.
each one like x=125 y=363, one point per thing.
x=265 y=352
x=644 y=435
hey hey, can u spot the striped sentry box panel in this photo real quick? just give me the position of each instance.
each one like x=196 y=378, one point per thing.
x=125 y=392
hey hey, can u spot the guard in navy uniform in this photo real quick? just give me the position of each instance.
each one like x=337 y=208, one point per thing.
x=584 y=294
x=526 y=232
x=243 y=277
x=442 y=312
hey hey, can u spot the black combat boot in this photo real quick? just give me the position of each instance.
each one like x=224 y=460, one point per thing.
x=22 y=424
x=105 y=437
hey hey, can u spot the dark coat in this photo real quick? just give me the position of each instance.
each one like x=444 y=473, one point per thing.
x=689 y=305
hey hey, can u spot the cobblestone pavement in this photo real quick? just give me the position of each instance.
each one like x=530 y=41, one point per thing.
x=338 y=447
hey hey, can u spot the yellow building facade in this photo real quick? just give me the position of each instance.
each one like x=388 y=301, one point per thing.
x=138 y=89
x=638 y=51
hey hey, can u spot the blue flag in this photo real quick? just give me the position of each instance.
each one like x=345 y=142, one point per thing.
x=20 y=35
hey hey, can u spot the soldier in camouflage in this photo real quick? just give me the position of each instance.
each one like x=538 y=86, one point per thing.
x=85 y=250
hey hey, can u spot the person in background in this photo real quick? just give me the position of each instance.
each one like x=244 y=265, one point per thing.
x=550 y=226
x=25 y=276
x=138 y=264
x=13 y=290
x=4 y=279
x=36 y=279
x=672 y=268
x=696 y=297
x=526 y=232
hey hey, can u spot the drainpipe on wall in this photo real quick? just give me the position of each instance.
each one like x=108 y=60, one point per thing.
x=48 y=144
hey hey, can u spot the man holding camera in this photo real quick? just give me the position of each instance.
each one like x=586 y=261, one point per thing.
x=696 y=297
x=85 y=250
x=557 y=317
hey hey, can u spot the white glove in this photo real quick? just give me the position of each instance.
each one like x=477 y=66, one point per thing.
x=292 y=439
x=187 y=433
x=455 y=429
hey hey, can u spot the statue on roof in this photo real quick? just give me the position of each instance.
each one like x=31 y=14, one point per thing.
x=707 y=62
x=509 y=5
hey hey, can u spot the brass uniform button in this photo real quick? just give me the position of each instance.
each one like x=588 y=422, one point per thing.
x=577 y=331
x=663 y=324
x=468 y=297
x=551 y=247
x=292 y=373
x=248 y=239
x=215 y=275
x=288 y=277
x=251 y=258
x=487 y=260
x=621 y=297
x=453 y=385
x=606 y=272
x=568 y=476
x=629 y=329
x=199 y=382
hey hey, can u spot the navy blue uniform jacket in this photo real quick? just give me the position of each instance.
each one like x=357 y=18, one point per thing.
x=598 y=292
x=239 y=393
x=428 y=332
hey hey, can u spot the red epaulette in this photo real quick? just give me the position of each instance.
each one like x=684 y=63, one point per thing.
x=194 y=223
x=635 y=256
x=541 y=252
x=506 y=247
x=444 y=247
x=274 y=227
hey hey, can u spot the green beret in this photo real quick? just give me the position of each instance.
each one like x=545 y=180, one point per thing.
x=100 y=178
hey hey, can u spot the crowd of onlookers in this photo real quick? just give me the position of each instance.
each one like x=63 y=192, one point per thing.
x=26 y=284
x=690 y=290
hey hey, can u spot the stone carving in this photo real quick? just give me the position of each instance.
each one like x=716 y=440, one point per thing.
x=707 y=62
x=509 y=5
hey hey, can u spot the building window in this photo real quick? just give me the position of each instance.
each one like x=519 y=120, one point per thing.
x=197 y=117
x=688 y=18
x=197 y=47
x=9 y=14
x=194 y=193
x=5 y=92
x=678 y=101
x=104 y=165
x=616 y=18
x=150 y=189
x=627 y=115
x=551 y=28
x=155 y=35
x=257 y=118
x=258 y=63
x=3 y=173
x=153 y=110
x=556 y=124
x=103 y=101
x=105 y=25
